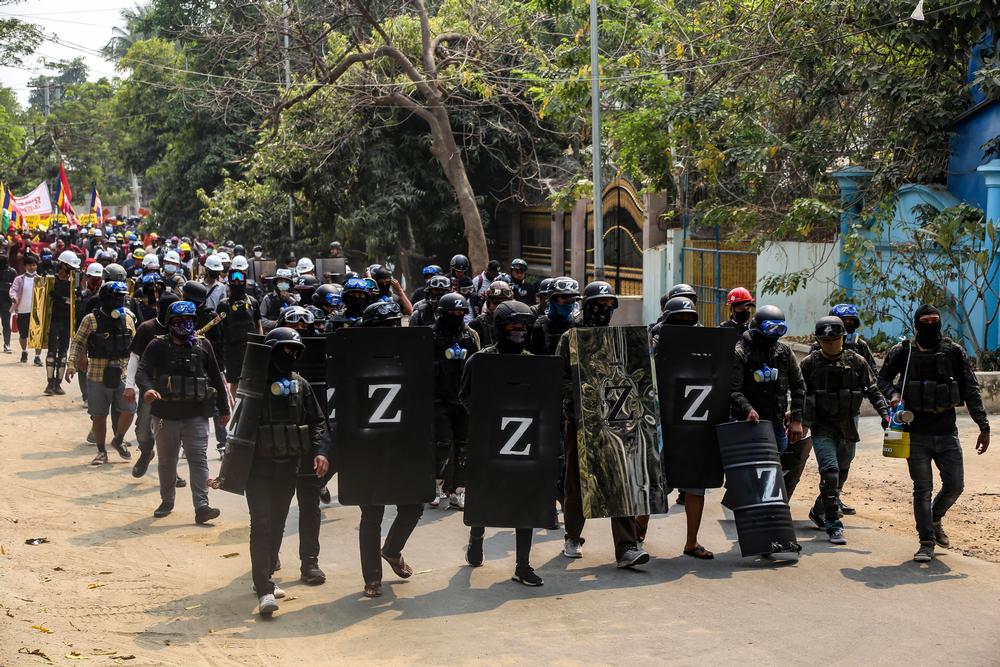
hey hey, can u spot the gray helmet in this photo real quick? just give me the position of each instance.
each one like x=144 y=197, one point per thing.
x=830 y=327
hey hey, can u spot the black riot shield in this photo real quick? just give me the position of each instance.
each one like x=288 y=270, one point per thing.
x=312 y=366
x=331 y=384
x=693 y=370
x=384 y=433
x=331 y=269
x=755 y=488
x=242 y=428
x=617 y=422
x=514 y=442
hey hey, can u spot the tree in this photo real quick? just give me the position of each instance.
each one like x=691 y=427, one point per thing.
x=11 y=133
x=122 y=39
x=49 y=88
x=17 y=38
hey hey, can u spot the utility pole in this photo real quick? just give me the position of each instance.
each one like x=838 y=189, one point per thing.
x=46 y=109
x=595 y=113
x=136 y=192
x=286 y=9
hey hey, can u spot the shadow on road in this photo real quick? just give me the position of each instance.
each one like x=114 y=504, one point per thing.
x=907 y=572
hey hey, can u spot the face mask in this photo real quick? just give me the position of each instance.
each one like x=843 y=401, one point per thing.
x=599 y=315
x=183 y=329
x=238 y=290
x=517 y=337
x=451 y=323
x=832 y=348
x=928 y=333
x=283 y=363
x=560 y=311
x=169 y=269
x=850 y=338
x=30 y=273
x=741 y=316
x=257 y=254
x=850 y=326
x=282 y=286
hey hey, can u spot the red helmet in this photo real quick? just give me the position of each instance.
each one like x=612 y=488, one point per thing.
x=739 y=295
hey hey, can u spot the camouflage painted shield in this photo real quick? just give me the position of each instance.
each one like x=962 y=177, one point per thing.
x=617 y=422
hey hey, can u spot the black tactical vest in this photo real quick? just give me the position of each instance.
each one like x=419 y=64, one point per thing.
x=834 y=390
x=111 y=340
x=769 y=399
x=930 y=382
x=239 y=322
x=184 y=378
x=448 y=372
x=283 y=431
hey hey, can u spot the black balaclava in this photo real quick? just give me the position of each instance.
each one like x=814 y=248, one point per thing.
x=450 y=323
x=282 y=362
x=927 y=335
x=597 y=315
x=509 y=346
x=163 y=304
x=741 y=316
x=237 y=290
x=354 y=303
x=110 y=302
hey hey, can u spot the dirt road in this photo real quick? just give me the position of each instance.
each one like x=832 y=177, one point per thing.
x=114 y=586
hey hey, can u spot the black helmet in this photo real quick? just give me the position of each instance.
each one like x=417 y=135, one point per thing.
x=452 y=301
x=678 y=305
x=115 y=273
x=382 y=314
x=163 y=304
x=326 y=295
x=830 y=327
x=518 y=265
x=460 y=263
x=195 y=292
x=680 y=289
x=511 y=312
x=239 y=250
x=564 y=286
x=498 y=289
x=306 y=283
x=769 y=321
x=283 y=336
x=599 y=290
x=545 y=287
x=381 y=273
x=289 y=258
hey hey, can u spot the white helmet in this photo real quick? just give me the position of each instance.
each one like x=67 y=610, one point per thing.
x=70 y=258
x=95 y=270
x=283 y=273
x=305 y=265
x=150 y=261
x=240 y=263
x=214 y=263
x=172 y=256
x=98 y=232
x=224 y=256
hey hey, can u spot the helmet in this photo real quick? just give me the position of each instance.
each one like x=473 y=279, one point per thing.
x=564 y=286
x=154 y=237
x=439 y=282
x=739 y=295
x=431 y=270
x=599 y=290
x=239 y=251
x=70 y=259
x=519 y=265
x=240 y=263
x=678 y=305
x=545 y=287
x=356 y=285
x=283 y=336
x=115 y=272
x=682 y=289
x=185 y=247
x=381 y=314
x=283 y=273
x=498 y=289
x=306 y=283
x=195 y=292
x=327 y=295
x=139 y=253
x=151 y=279
x=770 y=321
x=223 y=257
x=104 y=257
x=335 y=244
x=181 y=309
x=843 y=310
x=464 y=286
x=150 y=261
x=172 y=256
x=163 y=304
x=214 y=263
x=830 y=327
x=511 y=312
x=113 y=287
x=294 y=315
x=95 y=270
x=305 y=265
x=381 y=273
x=98 y=232
x=460 y=263
x=453 y=301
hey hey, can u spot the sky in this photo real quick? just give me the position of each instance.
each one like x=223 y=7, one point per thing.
x=86 y=24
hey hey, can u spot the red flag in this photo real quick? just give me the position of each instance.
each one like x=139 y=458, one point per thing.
x=64 y=200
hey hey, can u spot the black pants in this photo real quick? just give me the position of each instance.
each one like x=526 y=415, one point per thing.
x=793 y=462
x=269 y=493
x=451 y=434
x=307 y=488
x=370 y=533
x=624 y=529
x=58 y=344
x=522 y=542
x=5 y=322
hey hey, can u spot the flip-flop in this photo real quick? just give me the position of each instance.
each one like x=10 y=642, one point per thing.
x=373 y=590
x=399 y=566
x=699 y=552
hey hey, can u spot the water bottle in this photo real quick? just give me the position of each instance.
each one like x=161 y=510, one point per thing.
x=285 y=387
x=456 y=352
x=766 y=374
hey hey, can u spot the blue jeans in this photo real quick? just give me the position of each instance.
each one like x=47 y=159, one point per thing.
x=833 y=456
x=781 y=437
x=946 y=452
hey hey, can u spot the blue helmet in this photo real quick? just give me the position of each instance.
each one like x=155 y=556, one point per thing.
x=843 y=310
x=431 y=270
x=116 y=287
x=356 y=285
x=151 y=278
x=181 y=309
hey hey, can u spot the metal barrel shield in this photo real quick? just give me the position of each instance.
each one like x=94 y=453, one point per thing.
x=331 y=269
x=693 y=371
x=242 y=428
x=755 y=488
x=514 y=445
x=312 y=366
x=384 y=432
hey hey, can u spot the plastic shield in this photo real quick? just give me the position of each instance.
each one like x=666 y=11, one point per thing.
x=384 y=433
x=312 y=366
x=331 y=269
x=242 y=427
x=514 y=442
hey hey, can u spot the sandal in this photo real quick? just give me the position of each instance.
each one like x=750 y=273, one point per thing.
x=398 y=566
x=699 y=552
x=373 y=590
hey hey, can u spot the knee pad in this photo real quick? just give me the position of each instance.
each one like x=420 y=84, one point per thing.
x=829 y=480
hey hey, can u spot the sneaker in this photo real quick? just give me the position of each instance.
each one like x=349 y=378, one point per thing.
x=818 y=519
x=474 y=552
x=525 y=575
x=940 y=536
x=456 y=500
x=267 y=605
x=311 y=574
x=6 y=349
x=632 y=557
x=925 y=553
x=278 y=593
x=204 y=514
x=24 y=357
x=49 y=390
x=324 y=496
x=91 y=438
x=680 y=497
x=837 y=536
x=180 y=483
x=122 y=449
x=142 y=463
x=100 y=459
x=844 y=509
x=165 y=508
x=572 y=548
x=38 y=361
x=439 y=494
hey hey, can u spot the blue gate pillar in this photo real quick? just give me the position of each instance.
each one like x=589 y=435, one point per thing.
x=852 y=181
x=991 y=173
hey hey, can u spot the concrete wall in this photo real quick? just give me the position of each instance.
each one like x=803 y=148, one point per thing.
x=629 y=312
x=805 y=306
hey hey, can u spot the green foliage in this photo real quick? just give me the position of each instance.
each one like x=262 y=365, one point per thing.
x=17 y=38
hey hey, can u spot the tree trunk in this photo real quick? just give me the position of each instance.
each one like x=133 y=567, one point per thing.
x=446 y=151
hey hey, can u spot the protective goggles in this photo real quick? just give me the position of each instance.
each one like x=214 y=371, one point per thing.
x=333 y=299
x=183 y=308
x=843 y=310
x=296 y=315
x=237 y=276
x=439 y=282
x=151 y=279
x=774 y=328
x=565 y=285
x=118 y=287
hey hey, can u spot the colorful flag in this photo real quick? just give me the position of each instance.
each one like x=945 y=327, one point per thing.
x=95 y=206
x=9 y=206
x=64 y=195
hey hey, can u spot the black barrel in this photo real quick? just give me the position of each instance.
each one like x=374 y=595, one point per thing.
x=242 y=429
x=256 y=338
x=755 y=488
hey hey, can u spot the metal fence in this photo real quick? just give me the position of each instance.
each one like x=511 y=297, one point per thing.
x=713 y=271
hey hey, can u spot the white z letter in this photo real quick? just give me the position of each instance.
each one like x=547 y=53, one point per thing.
x=771 y=493
x=705 y=390
x=522 y=425
x=378 y=417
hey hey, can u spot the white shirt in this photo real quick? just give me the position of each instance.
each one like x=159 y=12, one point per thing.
x=24 y=298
